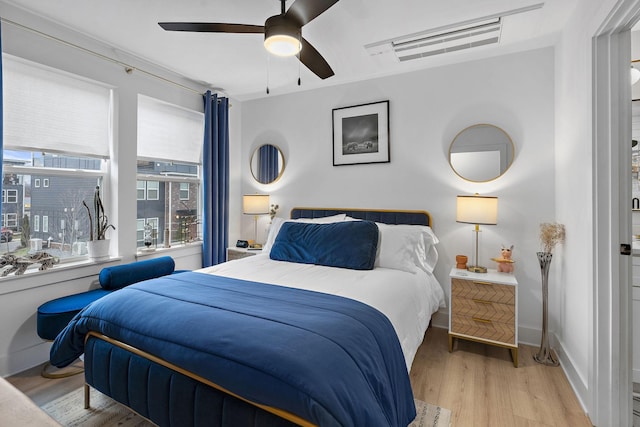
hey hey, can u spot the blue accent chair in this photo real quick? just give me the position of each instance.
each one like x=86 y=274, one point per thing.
x=53 y=316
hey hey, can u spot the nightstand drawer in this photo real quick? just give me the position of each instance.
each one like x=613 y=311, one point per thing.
x=494 y=311
x=478 y=327
x=484 y=291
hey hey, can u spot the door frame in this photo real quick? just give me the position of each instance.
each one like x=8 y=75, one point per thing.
x=611 y=344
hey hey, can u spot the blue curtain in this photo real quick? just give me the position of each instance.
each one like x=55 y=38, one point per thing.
x=267 y=164
x=215 y=166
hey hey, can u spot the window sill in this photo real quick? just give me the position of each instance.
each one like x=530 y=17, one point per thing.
x=34 y=278
x=178 y=250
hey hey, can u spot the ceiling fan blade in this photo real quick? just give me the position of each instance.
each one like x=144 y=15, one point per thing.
x=312 y=59
x=211 y=27
x=304 y=11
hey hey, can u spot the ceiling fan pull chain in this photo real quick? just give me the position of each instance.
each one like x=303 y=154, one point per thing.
x=268 y=62
x=299 y=55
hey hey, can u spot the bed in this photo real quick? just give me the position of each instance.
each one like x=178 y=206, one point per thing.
x=319 y=329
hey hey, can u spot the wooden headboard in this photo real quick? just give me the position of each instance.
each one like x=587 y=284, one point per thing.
x=385 y=216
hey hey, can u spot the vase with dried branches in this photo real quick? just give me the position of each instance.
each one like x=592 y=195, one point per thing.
x=551 y=234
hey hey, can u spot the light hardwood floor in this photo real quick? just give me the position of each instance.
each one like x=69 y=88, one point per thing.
x=477 y=382
x=482 y=388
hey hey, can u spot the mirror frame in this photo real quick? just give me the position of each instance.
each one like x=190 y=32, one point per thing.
x=254 y=173
x=509 y=161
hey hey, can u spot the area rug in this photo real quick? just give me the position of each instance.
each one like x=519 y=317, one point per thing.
x=69 y=411
x=431 y=415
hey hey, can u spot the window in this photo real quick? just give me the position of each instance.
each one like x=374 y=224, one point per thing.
x=153 y=190
x=10 y=220
x=141 y=192
x=9 y=196
x=184 y=191
x=58 y=140
x=169 y=161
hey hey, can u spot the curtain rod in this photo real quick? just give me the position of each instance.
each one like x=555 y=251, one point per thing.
x=128 y=68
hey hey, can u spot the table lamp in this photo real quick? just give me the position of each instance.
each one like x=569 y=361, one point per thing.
x=255 y=204
x=477 y=210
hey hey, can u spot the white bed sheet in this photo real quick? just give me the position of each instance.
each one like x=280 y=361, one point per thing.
x=407 y=299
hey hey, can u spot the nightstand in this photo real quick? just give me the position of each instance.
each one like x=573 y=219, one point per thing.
x=484 y=308
x=237 y=253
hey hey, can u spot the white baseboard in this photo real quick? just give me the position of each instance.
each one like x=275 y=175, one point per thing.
x=24 y=359
x=578 y=384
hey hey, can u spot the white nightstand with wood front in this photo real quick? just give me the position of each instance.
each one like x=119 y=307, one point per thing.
x=484 y=308
x=237 y=253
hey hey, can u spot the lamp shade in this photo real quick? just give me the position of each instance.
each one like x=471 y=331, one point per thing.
x=282 y=36
x=477 y=209
x=255 y=204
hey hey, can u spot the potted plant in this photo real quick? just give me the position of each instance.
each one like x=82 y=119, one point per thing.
x=98 y=244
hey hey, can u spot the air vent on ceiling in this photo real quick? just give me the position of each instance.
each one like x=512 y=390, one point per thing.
x=449 y=41
x=463 y=35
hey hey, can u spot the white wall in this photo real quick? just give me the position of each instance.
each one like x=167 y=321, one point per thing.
x=427 y=109
x=20 y=347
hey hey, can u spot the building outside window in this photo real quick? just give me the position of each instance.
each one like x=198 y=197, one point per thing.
x=170 y=140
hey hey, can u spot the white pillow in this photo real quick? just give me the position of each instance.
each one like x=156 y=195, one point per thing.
x=274 y=228
x=407 y=247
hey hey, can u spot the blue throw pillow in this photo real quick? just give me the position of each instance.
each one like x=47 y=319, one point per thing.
x=349 y=244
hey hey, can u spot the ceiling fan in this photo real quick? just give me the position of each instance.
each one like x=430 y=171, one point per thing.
x=282 y=33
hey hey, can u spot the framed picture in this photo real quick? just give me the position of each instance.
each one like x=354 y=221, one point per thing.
x=361 y=134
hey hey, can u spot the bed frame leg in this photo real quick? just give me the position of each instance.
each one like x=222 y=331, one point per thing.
x=87 y=401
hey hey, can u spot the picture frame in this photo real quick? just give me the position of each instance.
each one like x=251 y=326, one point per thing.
x=361 y=134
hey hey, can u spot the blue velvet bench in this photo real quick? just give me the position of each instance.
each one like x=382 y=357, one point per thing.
x=53 y=316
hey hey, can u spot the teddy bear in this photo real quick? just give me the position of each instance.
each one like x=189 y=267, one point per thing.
x=505 y=263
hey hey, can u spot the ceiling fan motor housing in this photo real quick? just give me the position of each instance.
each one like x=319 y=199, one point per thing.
x=282 y=36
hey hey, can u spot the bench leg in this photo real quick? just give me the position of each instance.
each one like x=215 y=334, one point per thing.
x=87 y=396
x=64 y=374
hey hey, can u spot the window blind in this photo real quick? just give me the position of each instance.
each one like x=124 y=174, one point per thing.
x=53 y=111
x=169 y=132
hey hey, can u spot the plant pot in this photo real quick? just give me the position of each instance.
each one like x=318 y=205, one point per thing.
x=98 y=249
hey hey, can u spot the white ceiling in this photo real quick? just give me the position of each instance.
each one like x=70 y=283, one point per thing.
x=239 y=64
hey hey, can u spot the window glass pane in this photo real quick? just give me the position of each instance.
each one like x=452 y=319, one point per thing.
x=54 y=218
x=141 y=190
x=184 y=191
x=169 y=148
x=153 y=188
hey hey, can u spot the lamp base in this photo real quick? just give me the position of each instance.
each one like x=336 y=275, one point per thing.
x=477 y=269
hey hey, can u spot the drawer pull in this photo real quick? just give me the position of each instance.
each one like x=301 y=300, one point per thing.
x=483 y=283
x=479 y=319
x=481 y=301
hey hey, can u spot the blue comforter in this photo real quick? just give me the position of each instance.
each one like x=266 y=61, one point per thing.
x=331 y=360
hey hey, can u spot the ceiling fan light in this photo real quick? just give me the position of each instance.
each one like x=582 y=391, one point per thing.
x=282 y=45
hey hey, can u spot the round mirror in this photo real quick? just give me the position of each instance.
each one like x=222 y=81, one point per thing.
x=267 y=164
x=481 y=153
